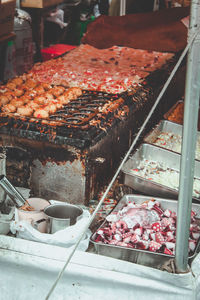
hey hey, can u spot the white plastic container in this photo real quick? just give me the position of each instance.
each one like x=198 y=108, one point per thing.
x=37 y=214
x=5 y=220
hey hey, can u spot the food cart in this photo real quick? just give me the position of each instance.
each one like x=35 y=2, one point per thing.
x=30 y=270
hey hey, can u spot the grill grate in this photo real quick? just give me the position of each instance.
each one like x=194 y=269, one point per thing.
x=77 y=123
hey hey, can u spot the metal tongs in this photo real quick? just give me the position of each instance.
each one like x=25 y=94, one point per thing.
x=15 y=196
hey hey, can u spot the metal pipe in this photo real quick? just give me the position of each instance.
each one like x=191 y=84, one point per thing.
x=122 y=7
x=156 y=5
x=191 y=108
x=14 y=195
x=18 y=4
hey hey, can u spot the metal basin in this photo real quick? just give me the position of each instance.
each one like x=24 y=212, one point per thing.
x=160 y=155
x=141 y=257
x=61 y=216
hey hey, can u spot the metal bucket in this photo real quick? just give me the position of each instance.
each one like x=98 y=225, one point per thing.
x=61 y=216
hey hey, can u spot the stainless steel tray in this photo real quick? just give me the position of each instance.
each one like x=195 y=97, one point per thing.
x=169 y=115
x=143 y=257
x=165 y=126
x=176 y=114
x=145 y=186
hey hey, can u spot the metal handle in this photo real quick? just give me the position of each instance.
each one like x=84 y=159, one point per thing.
x=15 y=196
x=37 y=223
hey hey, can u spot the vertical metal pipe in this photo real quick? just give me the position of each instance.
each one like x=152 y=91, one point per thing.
x=191 y=108
x=155 y=5
x=122 y=7
x=18 y=4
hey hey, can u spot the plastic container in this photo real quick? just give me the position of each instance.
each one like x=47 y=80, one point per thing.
x=55 y=50
x=23 y=42
x=10 y=61
x=5 y=220
x=38 y=214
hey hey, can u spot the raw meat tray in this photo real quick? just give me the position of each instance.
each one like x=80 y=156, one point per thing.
x=145 y=186
x=143 y=257
x=166 y=127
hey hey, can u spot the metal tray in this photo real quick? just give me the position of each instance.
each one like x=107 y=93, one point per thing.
x=169 y=114
x=165 y=126
x=177 y=117
x=143 y=257
x=145 y=186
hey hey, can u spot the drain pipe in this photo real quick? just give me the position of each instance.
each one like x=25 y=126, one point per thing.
x=191 y=108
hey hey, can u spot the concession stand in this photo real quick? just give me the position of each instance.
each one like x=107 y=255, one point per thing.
x=82 y=140
x=72 y=122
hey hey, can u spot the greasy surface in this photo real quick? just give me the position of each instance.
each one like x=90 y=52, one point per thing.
x=112 y=70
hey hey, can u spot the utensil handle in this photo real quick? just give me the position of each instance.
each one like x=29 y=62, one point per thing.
x=15 y=196
x=37 y=223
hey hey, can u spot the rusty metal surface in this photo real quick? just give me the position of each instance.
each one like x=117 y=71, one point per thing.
x=54 y=181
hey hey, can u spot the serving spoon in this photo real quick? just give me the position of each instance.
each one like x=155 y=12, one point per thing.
x=14 y=195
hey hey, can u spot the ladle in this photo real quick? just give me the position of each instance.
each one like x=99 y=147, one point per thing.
x=15 y=196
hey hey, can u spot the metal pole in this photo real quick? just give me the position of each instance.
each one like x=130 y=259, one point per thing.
x=122 y=7
x=191 y=108
x=18 y=4
x=155 y=5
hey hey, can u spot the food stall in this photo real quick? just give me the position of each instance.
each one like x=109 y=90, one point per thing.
x=88 y=123
x=65 y=273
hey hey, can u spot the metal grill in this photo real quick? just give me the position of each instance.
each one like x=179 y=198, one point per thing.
x=82 y=143
x=78 y=123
